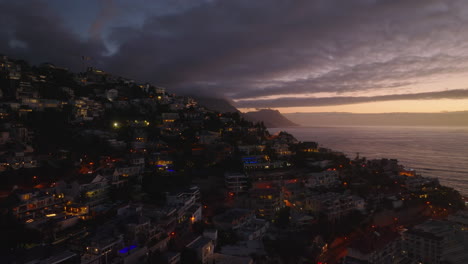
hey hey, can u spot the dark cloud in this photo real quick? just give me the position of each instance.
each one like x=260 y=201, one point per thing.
x=107 y=13
x=42 y=36
x=395 y=73
x=246 y=49
x=212 y=44
x=287 y=102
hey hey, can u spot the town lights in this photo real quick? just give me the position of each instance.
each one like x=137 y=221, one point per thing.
x=115 y=125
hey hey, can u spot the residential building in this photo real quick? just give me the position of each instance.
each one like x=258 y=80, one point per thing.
x=87 y=189
x=186 y=203
x=236 y=182
x=333 y=205
x=169 y=118
x=266 y=201
x=327 y=178
x=233 y=218
x=436 y=241
x=37 y=204
x=104 y=247
x=208 y=137
x=417 y=183
x=172 y=257
x=251 y=149
x=282 y=150
x=261 y=162
x=308 y=147
x=379 y=246
x=204 y=248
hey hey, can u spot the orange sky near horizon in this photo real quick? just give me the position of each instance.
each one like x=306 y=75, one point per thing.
x=410 y=106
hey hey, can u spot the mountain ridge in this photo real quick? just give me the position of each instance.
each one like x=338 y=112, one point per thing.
x=271 y=118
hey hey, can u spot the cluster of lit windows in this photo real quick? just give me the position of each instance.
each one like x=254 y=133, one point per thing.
x=163 y=162
x=310 y=150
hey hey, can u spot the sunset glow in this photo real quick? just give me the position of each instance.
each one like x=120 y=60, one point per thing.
x=414 y=106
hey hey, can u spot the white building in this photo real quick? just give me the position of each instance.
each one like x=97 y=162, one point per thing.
x=236 y=182
x=383 y=247
x=328 y=178
x=204 y=248
x=434 y=242
x=334 y=205
x=187 y=204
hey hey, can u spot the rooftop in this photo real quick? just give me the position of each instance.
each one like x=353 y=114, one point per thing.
x=199 y=242
x=232 y=215
x=374 y=241
x=227 y=259
x=424 y=234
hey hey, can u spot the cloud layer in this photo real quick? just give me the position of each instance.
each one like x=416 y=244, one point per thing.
x=323 y=101
x=248 y=50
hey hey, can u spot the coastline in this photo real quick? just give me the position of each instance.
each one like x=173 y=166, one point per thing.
x=429 y=151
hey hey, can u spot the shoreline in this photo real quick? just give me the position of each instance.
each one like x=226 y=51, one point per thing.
x=455 y=179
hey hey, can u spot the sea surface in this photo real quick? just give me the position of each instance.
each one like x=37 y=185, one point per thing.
x=440 y=152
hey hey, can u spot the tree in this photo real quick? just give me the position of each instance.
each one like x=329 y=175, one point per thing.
x=15 y=234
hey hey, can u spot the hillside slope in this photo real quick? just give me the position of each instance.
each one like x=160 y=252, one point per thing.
x=216 y=104
x=271 y=118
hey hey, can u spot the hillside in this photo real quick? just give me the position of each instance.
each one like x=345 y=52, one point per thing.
x=216 y=104
x=271 y=118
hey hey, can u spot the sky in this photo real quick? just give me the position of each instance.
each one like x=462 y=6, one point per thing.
x=363 y=56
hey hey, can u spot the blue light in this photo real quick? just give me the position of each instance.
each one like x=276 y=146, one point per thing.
x=127 y=249
x=250 y=160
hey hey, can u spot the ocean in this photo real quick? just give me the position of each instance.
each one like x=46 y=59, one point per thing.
x=440 y=152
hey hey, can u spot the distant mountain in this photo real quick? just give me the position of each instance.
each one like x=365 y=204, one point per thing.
x=386 y=119
x=216 y=104
x=271 y=118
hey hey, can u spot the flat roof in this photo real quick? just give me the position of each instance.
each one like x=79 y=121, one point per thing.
x=228 y=259
x=59 y=257
x=199 y=242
